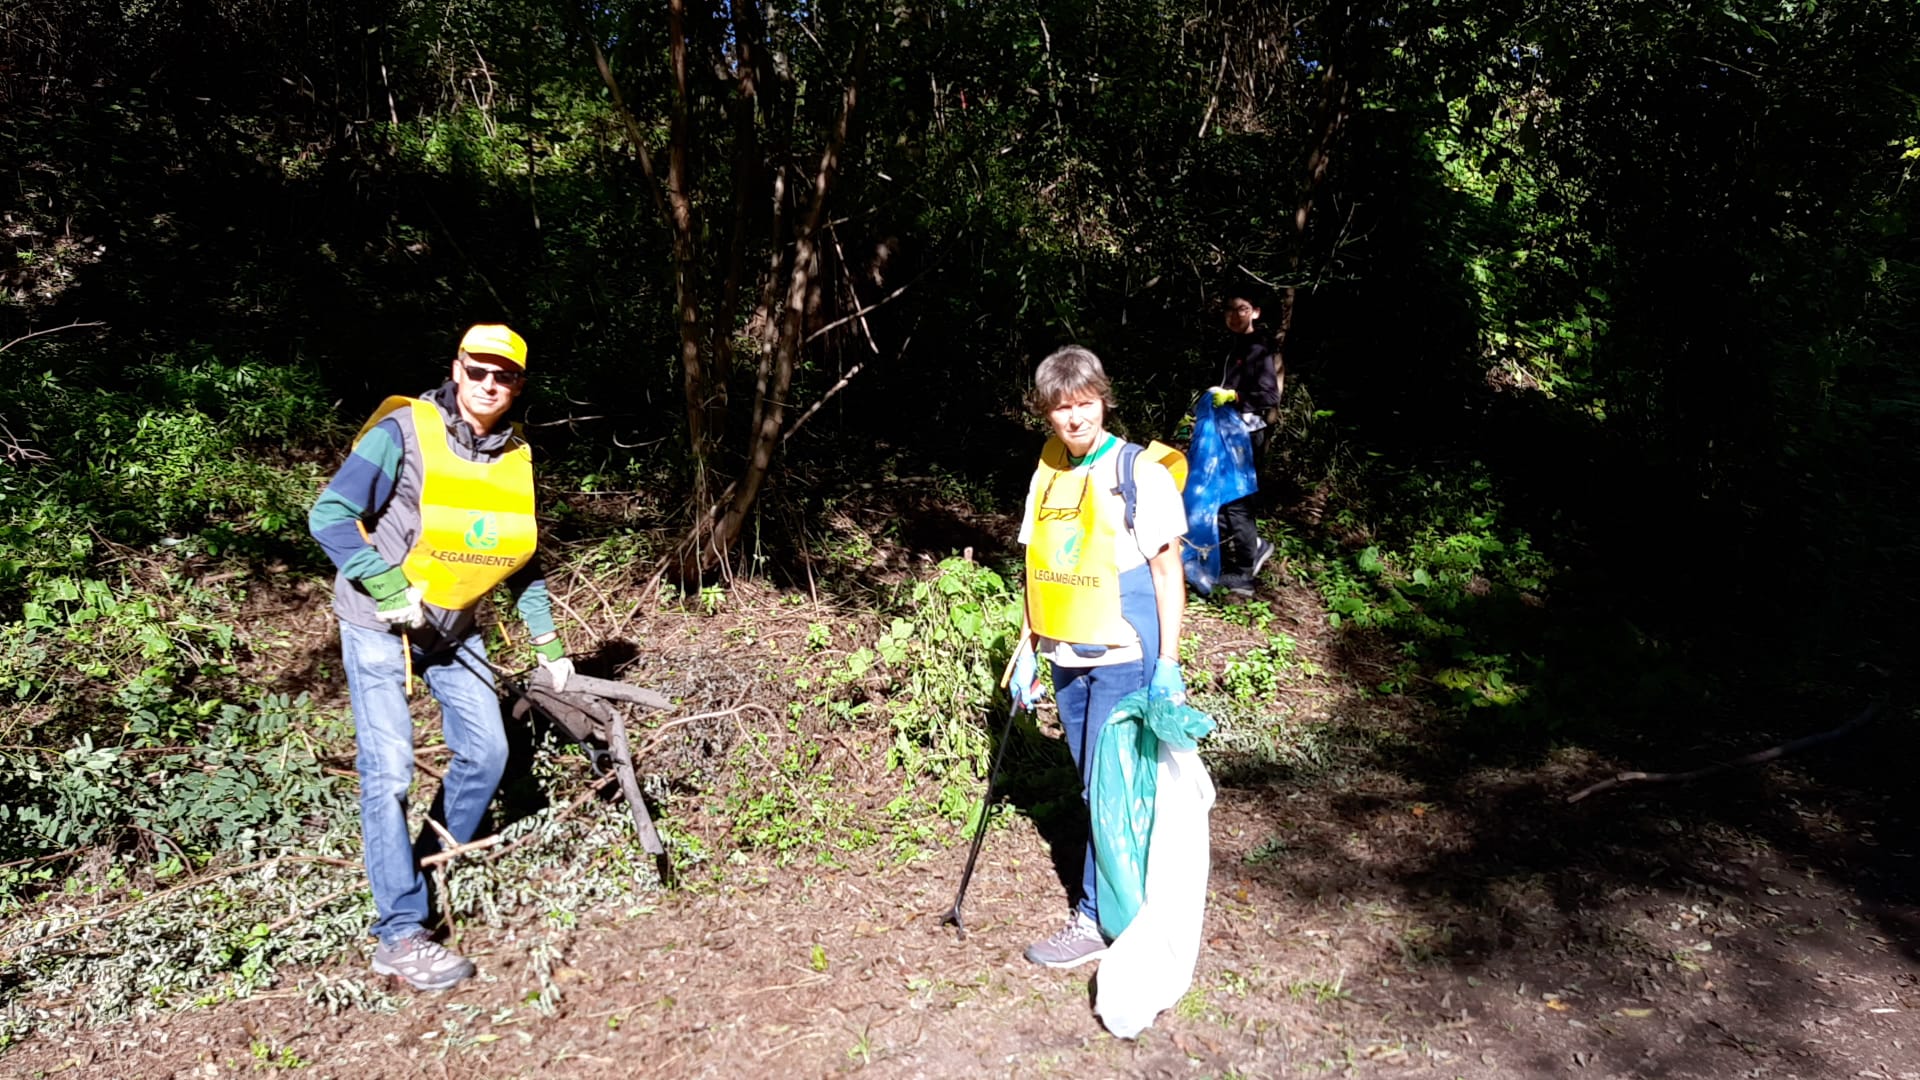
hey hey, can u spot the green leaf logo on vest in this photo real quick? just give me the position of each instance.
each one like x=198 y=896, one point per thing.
x=483 y=532
x=1067 y=557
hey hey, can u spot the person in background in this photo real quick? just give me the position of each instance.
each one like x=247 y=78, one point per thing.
x=432 y=509
x=1105 y=591
x=1250 y=380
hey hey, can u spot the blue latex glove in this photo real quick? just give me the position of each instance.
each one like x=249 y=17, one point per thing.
x=1167 y=682
x=1025 y=684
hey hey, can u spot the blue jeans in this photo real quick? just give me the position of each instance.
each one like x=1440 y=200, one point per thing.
x=462 y=682
x=1086 y=696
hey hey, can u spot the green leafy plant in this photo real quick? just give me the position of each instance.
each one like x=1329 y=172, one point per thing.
x=1259 y=672
x=944 y=659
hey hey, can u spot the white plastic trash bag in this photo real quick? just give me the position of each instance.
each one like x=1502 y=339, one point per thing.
x=1150 y=965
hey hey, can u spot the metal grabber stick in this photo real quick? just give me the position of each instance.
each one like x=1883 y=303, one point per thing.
x=980 y=831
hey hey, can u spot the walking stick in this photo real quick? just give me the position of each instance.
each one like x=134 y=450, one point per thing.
x=980 y=831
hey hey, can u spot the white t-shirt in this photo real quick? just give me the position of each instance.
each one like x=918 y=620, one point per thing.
x=1159 y=519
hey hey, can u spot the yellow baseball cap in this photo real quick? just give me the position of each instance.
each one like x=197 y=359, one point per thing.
x=494 y=339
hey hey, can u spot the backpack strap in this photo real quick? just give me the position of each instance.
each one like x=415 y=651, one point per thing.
x=1128 y=491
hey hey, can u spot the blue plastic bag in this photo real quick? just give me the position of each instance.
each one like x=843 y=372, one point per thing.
x=1220 y=470
x=1120 y=796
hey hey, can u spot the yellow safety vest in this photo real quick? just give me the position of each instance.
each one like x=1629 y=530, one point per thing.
x=476 y=518
x=1073 y=584
x=1074 y=589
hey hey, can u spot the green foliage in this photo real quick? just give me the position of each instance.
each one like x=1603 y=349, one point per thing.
x=247 y=781
x=792 y=809
x=1446 y=576
x=934 y=674
x=108 y=633
x=186 y=458
x=1259 y=672
x=943 y=660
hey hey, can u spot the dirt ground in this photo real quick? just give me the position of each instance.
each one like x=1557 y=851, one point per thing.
x=1406 y=909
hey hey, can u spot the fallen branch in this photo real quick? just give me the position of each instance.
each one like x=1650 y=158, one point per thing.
x=498 y=841
x=440 y=831
x=661 y=731
x=1757 y=758
x=31 y=859
x=440 y=858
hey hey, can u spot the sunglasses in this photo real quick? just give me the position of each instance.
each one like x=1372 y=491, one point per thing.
x=510 y=379
x=1068 y=510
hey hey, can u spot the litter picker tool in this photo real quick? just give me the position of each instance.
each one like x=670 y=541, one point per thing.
x=980 y=831
x=993 y=773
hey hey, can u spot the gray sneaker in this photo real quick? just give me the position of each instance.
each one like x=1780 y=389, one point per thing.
x=423 y=963
x=1072 y=945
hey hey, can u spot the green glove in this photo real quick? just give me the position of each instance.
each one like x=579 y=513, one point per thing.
x=1221 y=396
x=395 y=599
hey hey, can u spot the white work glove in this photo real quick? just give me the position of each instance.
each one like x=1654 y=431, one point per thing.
x=396 y=600
x=559 y=671
x=552 y=654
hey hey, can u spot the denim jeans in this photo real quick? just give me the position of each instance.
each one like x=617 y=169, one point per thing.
x=1086 y=696
x=462 y=682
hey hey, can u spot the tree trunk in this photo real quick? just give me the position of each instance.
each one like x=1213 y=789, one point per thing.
x=707 y=544
x=1336 y=103
x=693 y=373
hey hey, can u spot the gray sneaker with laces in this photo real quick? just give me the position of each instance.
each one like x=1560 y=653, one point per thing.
x=1072 y=945
x=423 y=963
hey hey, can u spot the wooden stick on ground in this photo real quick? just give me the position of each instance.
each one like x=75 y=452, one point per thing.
x=1757 y=758
x=499 y=840
x=439 y=858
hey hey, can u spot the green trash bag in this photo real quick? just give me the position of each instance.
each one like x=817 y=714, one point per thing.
x=1120 y=796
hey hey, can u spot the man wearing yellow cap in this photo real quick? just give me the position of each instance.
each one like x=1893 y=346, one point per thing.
x=432 y=509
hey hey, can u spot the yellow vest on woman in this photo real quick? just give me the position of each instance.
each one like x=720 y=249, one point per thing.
x=1075 y=589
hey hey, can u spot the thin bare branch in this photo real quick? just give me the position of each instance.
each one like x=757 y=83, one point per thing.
x=835 y=389
x=861 y=314
x=49 y=330
x=1757 y=758
x=634 y=134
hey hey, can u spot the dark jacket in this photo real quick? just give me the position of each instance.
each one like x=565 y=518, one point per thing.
x=1250 y=371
